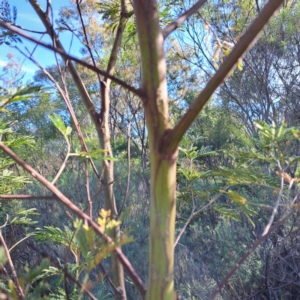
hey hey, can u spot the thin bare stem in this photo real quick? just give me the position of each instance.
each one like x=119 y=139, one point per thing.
x=11 y=265
x=66 y=287
x=66 y=274
x=5 y=272
x=20 y=241
x=66 y=98
x=87 y=43
x=105 y=275
x=128 y=170
x=25 y=29
x=176 y=23
x=27 y=197
x=194 y=214
x=275 y=209
x=63 y=165
x=87 y=187
x=71 y=206
x=267 y=231
x=174 y=136
x=73 y=58
x=69 y=248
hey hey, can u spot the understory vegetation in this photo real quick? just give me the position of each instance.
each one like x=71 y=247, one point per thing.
x=95 y=153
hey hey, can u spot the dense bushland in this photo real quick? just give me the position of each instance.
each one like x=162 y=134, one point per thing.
x=110 y=147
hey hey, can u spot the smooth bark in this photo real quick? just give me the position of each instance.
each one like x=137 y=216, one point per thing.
x=162 y=164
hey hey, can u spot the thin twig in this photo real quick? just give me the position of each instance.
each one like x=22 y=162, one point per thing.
x=11 y=265
x=20 y=241
x=66 y=273
x=4 y=225
x=275 y=209
x=27 y=197
x=66 y=98
x=194 y=214
x=128 y=170
x=106 y=276
x=252 y=249
x=25 y=29
x=7 y=278
x=176 y=23
x=66 y=286
x=65 y=263
x=87 y=187
x=63 y=165
x=87 y=43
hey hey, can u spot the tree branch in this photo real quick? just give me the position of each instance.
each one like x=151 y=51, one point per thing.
x=194 y=214
x=64 y=163
x=173 y=137
x=27 y=197
x=87 y=43
x=71 y=206
x=73 y=58
x=250 y=251
x=66 y=98
x=176 y=23
x=128 y=171
x=267 y=231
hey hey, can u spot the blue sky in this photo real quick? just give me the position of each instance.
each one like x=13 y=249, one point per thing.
x=27 y=18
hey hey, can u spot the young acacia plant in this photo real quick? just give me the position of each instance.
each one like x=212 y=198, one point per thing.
x=150 y=23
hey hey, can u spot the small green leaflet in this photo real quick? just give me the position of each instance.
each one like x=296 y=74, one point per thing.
x=60 y=125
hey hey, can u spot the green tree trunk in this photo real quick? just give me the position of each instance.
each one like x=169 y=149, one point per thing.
x=163 y=141
x=163 y=164
x=162 y=226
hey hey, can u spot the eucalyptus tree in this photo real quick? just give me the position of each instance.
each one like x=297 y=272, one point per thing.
x=263 y=88
x=267 y=86
x=164 y=136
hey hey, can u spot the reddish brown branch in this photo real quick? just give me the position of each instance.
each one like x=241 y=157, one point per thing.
x=11 y=265
x=250 y=251
x=72 y=58
x=66 y=98
x=71 y=206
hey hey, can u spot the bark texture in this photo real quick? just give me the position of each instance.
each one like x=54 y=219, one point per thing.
x=163 y=164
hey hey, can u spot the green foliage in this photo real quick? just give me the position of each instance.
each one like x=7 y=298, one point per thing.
x=22 y=93
x=190 y=162
x=24 y=217
x=3 y=258
x=270 y=148
x=41 y=272
x=60 y=125
x=8 y=181
x=110 y=12
x=88 y=250
x=8 y=14
x=243 y=166
x=98 y=154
